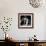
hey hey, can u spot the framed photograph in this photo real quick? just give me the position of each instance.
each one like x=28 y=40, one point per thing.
x=25 y=20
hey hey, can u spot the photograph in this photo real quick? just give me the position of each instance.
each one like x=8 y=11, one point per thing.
x=25 y=20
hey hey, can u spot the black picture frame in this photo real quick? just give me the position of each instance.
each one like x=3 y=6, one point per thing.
x=25 y=20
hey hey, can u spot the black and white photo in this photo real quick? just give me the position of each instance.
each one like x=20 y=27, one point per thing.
x=25 y=20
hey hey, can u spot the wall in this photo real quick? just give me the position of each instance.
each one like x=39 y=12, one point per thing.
x=11 y=8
